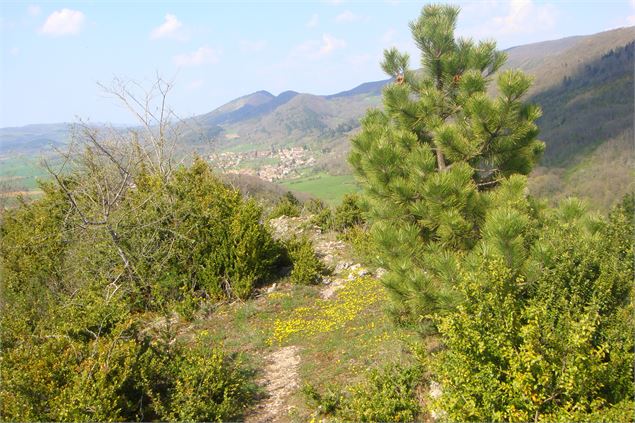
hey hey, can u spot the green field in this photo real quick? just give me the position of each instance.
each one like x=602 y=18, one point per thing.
x=20 y=174
x=324 y=186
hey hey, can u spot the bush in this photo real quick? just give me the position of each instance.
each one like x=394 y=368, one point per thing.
x=185 y=237
x=362 y=242
x=75 y=294
x=307 y=267
x=288 y=206
x=349 y=213
x=314 y=206
x=119 y=378
x=323 y=219
x=327 y=403
x=217 y=245
x=545 y=332
x=320 y=212
x=192 y=384
x=385 y=395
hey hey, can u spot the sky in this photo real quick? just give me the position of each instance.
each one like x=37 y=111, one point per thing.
x=54 y=54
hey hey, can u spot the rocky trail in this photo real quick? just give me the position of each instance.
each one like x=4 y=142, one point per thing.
x=280 y=378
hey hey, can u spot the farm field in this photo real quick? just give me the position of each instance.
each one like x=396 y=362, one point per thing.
x=324 y=186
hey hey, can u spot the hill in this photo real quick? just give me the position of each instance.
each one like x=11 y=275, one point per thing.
x=584 y=85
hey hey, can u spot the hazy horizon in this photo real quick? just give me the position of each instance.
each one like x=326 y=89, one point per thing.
x=54 y=54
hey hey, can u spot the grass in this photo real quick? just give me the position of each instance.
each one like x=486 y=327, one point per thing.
x=327 y=187
x=18 y=177
x=20 y=174
x=339 y=339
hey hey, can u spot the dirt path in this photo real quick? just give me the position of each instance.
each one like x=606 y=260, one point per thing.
x=280 y=380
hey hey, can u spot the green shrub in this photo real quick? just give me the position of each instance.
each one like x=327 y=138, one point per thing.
x=285 y=207
x=185 y=236
x=211 y=239
x=314 y=206
x=307 y=267
x=349 y=213
x=118 y=377
x=323 y=219
x=385 y=395
x=545 y=332
x=327 y=403
x=320 y=213
x=76 y=295
x=362 y=242
x=188 y=383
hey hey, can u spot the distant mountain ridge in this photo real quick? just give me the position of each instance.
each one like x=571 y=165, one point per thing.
x=584 y=85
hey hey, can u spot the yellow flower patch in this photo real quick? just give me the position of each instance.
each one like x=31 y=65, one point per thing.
x=329 y=315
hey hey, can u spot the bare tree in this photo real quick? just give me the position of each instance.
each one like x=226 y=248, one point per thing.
x=102 y=163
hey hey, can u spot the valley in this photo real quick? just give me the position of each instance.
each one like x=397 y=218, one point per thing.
x=301 y=141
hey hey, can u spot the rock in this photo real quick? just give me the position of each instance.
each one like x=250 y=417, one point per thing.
x=356 y=271
x=272 y=288
x=333 y=286
x=435 y=392
x=380 y=272
x=435 y=389
x=341 y=266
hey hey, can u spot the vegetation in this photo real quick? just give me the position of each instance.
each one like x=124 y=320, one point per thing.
x=528 y=307
x=545 y=331
x=592 y=94
x=348 y=213
x=96 y=273
x=321 y=214
x=430 y=160
x=288 y=205
x=307 y=268
x=132 y=289
x=72 y=306
x=385 y=395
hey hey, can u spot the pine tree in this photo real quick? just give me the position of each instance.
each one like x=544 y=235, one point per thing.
x=430 y=160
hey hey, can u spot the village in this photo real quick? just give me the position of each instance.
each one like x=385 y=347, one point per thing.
x=269 y=165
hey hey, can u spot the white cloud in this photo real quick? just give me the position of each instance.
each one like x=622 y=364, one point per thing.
x=249 y=46
x=347 y=17
x=204 y=55
x=523 y=16
x=171 y=28
x=314 y=21
x=33 y=10
x=314 y=49
x=330 y=43
x=63 y=22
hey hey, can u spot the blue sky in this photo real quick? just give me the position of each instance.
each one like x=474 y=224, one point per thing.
x=54 y=53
